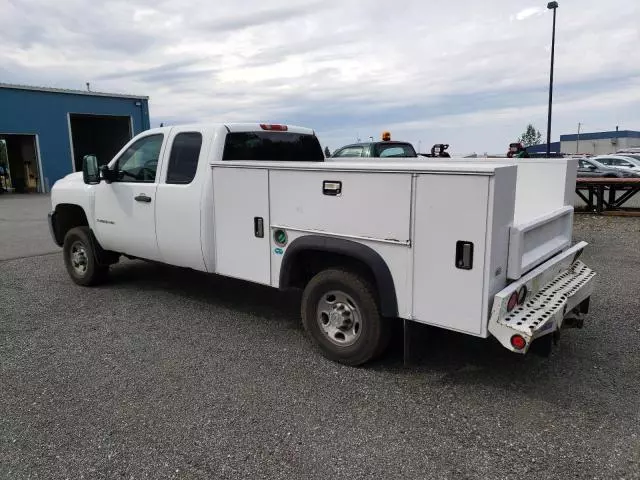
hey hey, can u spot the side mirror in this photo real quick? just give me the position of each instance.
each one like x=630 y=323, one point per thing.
x=592 y=167
x=90 y=170
x=107 y=175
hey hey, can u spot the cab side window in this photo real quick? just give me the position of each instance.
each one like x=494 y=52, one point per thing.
x=183 y=161
x=349 y=152
x=139 y=162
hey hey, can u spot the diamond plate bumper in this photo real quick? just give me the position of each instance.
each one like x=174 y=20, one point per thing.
x=553 y=290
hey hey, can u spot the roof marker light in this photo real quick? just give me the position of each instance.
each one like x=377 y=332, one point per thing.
x=274 y=127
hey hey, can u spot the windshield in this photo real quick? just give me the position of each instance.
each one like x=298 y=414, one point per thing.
x=395 y=150
x=635 y=158
x=275 y=146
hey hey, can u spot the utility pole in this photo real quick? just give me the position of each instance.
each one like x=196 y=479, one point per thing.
x=578 y=141
x=551 y=6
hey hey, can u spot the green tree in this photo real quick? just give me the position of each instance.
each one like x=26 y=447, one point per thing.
x=531 y=136
x=327 y=152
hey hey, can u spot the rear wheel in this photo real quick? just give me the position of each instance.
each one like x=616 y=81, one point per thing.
x=341 y=315
x=80 y=258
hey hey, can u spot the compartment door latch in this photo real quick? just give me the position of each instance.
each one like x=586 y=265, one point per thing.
x=464 y=255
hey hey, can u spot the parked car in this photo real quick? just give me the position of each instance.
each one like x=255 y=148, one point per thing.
x=588 y=167
x=622 y=162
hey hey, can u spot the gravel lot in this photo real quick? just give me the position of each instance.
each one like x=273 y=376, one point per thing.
x=167 y=373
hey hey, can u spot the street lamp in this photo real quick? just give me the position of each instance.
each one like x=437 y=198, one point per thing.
x=551 y=6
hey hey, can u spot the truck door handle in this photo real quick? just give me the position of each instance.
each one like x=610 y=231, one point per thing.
x=142 y=198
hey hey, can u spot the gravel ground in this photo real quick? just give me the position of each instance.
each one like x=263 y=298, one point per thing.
x=23 y=226
x=168 y=373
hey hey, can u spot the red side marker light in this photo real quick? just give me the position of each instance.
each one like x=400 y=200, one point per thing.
x=513 y=301
x=518 y=342
x=522 y=295
x=273 y=127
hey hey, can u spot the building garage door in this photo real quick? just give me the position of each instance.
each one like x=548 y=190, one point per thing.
x=99 y=135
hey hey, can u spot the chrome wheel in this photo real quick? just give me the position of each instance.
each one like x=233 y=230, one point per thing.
x=339 y=318
x=78 y=258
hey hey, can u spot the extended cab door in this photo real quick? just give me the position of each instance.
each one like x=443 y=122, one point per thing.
x=125 y=208
x=179 y=197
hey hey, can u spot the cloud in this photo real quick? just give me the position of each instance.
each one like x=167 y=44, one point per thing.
x=528 y=12
x=255 y=19
x=471 y=74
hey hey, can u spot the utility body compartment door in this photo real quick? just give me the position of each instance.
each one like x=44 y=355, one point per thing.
x=240 y=205
x=365 y=205
x=444 y=294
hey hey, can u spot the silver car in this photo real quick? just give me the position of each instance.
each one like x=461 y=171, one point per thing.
x=622 y=162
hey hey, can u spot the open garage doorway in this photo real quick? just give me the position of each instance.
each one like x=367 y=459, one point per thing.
x=99 y=135
x=20 y=162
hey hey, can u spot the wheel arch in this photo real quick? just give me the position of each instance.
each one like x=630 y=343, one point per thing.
x=330 y=251
x=66 y=217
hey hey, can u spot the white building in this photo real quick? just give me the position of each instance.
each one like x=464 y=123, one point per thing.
x=599 y=143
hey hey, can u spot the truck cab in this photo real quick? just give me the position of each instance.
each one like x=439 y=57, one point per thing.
x=383 y=149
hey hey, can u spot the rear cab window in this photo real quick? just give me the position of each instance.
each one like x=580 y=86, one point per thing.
x=272 y=146
x=183 y=160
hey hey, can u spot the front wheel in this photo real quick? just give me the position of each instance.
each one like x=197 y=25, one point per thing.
x=341 y=315
x=80 y=258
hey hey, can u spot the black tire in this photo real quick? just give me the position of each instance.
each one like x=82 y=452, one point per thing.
x=373 y=332
x=78 y=240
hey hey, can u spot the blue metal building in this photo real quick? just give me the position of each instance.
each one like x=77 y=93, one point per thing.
x=600 y=143
x=542 y=148
x=47 y=131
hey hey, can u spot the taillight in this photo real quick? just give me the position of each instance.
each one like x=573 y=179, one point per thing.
x=273 y=127
x=522 y=295
x=513 y=301
x=517 y=298
x=518 y=342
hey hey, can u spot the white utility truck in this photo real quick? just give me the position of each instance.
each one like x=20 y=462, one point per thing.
x=480 y=247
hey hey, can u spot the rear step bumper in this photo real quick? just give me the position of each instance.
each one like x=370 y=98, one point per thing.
x=553 y=291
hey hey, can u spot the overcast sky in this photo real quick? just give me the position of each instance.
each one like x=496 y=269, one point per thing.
x=466 y=72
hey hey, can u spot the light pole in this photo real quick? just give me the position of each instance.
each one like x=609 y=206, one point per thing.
x=551 y=6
